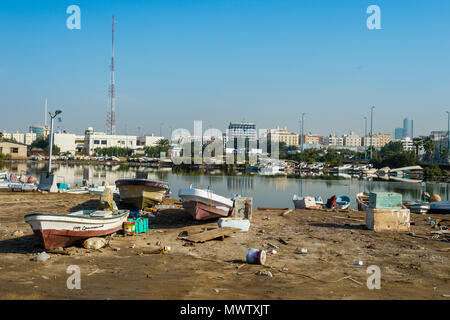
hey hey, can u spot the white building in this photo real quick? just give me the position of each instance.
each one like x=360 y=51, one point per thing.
x=149 y=141
x=408 y=144
x=334 y=140
x=352 y=140
x=94 y=140
x=65 y=142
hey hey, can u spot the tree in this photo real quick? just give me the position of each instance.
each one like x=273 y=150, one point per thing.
x=444 y=153
x=428 y=145
x=418 y=143
x=43 y=143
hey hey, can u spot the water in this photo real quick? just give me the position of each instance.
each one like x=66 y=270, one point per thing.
x=265 y=191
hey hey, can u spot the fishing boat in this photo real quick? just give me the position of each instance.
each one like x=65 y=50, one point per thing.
x=141 y=193
x=338 y=202
x=204 y=204
x=307 y=202
x=442 y=207
x=24 y=187
x=417 y=206
x=62 y=230
x=362 y=199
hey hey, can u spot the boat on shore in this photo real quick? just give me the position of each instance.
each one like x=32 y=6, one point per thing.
x=441 y=207
x=338 y=202
x=62 y=230
x=141 y=193
x=362 y=199
x=307 y=202
x=417 y=207
x=204 y=204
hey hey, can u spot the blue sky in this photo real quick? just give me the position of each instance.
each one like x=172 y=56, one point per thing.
x=228 y=60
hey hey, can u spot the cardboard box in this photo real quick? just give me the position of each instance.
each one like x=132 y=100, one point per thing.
x=243 y=207
x=385 y=200
x=397 y=220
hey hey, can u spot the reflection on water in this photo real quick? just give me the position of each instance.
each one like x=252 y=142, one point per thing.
x=266 y=191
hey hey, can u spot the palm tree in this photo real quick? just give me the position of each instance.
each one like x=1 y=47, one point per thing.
x=428 y=145
x=418 y=143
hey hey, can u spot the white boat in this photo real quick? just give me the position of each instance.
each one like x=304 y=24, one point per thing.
x=307 y=202
x=441 y=207
x=362 y=199
x=272 y=170
x=417 y=207
x=100 y=189
x=204 y=204
x=19 y=186
x=61 y=230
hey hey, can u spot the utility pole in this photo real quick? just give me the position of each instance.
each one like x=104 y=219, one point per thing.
x=52 y=117
x=371 y=130
x=448 y=131
x=365 y=139
x=303 y=123
x=160 y=129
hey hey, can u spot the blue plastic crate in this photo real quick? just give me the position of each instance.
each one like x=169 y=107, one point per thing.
x=140 y=224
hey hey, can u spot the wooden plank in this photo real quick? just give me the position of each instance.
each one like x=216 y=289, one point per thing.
x=211 y=234
x=268 y=208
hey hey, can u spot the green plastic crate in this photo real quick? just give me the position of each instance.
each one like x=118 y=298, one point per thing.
x=385 y=200
x=140 y=224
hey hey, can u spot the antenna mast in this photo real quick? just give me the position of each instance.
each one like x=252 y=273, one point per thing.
x=111 y=117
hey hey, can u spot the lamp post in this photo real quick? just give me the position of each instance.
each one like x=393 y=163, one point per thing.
x=365 y=139
x=52 y=117
x=371 y=130
x=303 y=122
x=448 y=131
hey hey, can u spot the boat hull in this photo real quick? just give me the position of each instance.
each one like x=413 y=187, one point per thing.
x=141 y=193
x=362 y=199
x=201 y=211
x=65 y=230
x=441 y=207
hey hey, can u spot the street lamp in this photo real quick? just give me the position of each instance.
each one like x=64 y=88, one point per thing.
x=371 y=130
x=448 y=131
x=365 y=139
x=52 y=116
x=303 y=121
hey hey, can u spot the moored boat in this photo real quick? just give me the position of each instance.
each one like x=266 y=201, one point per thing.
x=441 y=207
x=307 y=202
x=417 y=207
x=62 y=230
x=362 y=199
x=338 y=202
x=141 y=193
x=204 y=204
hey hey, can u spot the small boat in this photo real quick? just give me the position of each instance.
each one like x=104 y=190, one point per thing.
x=441 y=207
x=362 y=199
x=98 y=190
x=141 y=193
x=338 y=202
x=417 y=207
x=204 y=204
x=307 y=202
x=19 y=186
x=62 y=230
x=272 y=170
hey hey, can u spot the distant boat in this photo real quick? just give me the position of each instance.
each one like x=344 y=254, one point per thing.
x=441 y=207
x=141 y=193
x=19 y=186
x=272 y=170
x=62 y=230
x=362 y=199
x=98 y=190
x=307 y=202
x=417 y=207
x=204 y=204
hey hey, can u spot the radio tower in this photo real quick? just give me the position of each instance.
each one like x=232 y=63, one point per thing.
x=111 y=116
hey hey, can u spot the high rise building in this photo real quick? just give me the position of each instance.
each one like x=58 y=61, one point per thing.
x=243 y=130
x=406 y=131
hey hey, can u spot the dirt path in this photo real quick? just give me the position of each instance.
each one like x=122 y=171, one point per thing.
x=411 y=267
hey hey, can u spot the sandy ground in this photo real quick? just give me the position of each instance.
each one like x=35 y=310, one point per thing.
x=411 y=267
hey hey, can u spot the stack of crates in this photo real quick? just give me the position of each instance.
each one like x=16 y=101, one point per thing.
x=140 y=223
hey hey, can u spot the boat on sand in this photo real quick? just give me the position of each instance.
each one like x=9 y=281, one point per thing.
x=62 y=230
x=204 y=204
x=141 y=193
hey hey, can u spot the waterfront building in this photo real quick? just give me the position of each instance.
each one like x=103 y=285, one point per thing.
x=242 y=130
x=352 y=140
x=13 y=149
x=283 y=135
x=333 y=140
x=378 y=140
x=94 y=140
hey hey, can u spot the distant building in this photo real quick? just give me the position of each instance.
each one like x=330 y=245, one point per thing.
x=149 y=141
x=378 y=140
x=408 y=144
x=406 y=131
x=334 y=140
x=40 y=131
x=352 y=140
x=242 y=130
x=13 y=149
x=283 y=135
x=94 y=140
x=398 y=134
x=311 y=139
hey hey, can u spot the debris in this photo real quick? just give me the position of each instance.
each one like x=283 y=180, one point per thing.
x=285 y=213
x=266 y=218
x=163 y=250
x=323 y=259
x=116 y=249
x=211 y=234
x=42 y=257
x=94 y=243
x=241 y=266
x=18 y=233
x=256 y=256
x=183 y=233
x=355 y=281
x=283 y=241
x=268 y=208
x=240 y=223
x=45 y=277
x=273 y=252
x=304 y=250
x=93 y=272
x=358 y=263
x=272 y=246
x=264 y=273
x=286 y=268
